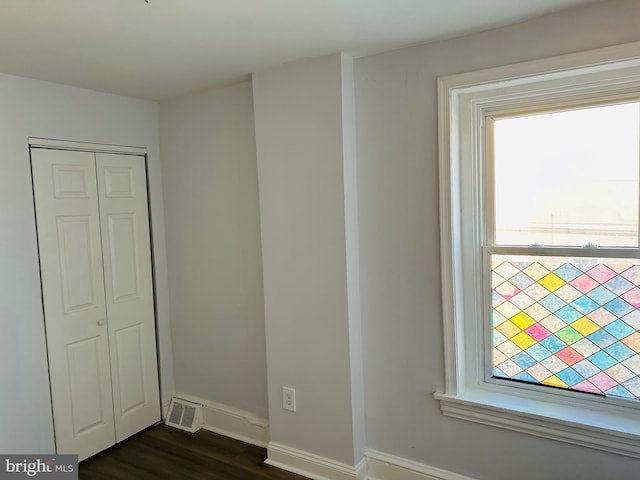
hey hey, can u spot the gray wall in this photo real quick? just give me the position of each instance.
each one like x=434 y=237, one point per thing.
x=301 y=163
x=41 y=109
x=213 y=243
x=399 y=249
x=300 y=169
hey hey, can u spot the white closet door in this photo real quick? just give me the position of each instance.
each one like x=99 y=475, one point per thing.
x=73 y=293
x=129 y=291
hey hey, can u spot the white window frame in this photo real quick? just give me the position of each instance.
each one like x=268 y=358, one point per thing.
x=464 y=101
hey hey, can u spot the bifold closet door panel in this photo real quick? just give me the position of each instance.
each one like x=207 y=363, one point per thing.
x=122 y=193
x=69 y=242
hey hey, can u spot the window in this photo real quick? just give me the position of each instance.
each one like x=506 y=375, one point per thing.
x=540 y=206
x=569 y=179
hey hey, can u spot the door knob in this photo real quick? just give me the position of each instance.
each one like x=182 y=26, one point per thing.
x=100 y=323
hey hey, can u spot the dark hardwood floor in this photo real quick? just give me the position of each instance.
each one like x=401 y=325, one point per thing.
x=164 y=452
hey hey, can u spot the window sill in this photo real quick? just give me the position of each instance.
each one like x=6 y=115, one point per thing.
x=611 y=431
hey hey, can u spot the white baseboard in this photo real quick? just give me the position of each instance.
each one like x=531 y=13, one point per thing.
x=383 y=466
x=231 y=422
x=311 y=465
x=247 y=427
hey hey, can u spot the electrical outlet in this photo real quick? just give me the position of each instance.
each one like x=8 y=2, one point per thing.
x=289 y=398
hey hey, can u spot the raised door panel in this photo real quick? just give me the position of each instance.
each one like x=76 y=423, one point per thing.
x=129 y=291
x=69 y=242
x=85 y=386
x=77 y=270
x=130 y=360
x=123 y=246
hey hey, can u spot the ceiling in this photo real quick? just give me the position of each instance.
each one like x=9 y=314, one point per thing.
x=165 y=48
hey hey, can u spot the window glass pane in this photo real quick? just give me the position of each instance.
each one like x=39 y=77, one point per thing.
x=564 y=322
x=568 y=178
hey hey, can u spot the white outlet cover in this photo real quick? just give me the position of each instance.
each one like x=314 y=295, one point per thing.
x=289 y=398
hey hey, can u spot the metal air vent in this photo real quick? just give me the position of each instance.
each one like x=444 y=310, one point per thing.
x=184 y=415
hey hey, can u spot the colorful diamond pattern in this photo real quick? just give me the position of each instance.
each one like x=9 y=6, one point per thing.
x=573 y=324
x=602 y=295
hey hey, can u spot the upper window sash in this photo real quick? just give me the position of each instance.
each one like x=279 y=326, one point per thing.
x=534 y=161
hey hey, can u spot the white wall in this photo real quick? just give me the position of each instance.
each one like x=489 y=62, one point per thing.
x=213 y=242
x=399 y=249
x=40 y=109
x=301 y=169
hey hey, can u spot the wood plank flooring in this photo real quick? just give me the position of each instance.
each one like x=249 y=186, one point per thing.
x=164 y=452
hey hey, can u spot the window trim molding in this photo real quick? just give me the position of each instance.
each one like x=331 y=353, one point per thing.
x=490 y=412
x=467 y=396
